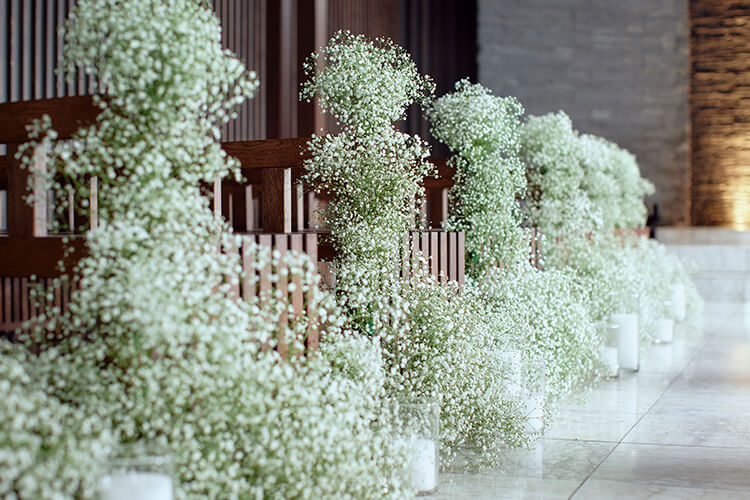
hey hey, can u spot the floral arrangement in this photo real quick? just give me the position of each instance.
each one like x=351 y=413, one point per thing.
x=435 y=341
x=613 y=182
x=155 y=346
x=540 y=312
x=583 y=190
x=484 y=132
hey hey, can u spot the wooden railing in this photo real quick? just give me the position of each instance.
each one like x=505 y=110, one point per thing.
x=270 y=206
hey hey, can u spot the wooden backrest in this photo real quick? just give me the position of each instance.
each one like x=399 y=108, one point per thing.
x=269 y=203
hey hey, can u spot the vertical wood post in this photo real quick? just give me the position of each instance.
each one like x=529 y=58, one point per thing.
x=277 y=200
x=312 y=34
x=26 y=221
x=281 y=87
x=94 y=203
x=438 y=207
x=249 y=208
x=217 y=197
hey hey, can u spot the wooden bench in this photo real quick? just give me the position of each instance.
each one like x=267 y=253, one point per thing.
x=269 y=207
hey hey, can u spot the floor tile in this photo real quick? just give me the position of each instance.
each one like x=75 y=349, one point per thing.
x=678 y=466
x=693 y=427
x=610 y=426
x=555 y=459
x=488 y=487
x=598 y=489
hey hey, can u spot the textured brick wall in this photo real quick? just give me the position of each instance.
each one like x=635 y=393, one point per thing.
x=720 y=109
x=619 y=68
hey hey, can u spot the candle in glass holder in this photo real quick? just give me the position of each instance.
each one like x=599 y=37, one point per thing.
x=627 y=340
x=138 y=471
x=664 y=330
x=136 y=485
x=679 y=304
x=418 y=424
x=609 y=357
x=424 y=464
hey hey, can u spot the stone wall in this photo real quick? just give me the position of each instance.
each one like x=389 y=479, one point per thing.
x=620 y=69
x=720 y=109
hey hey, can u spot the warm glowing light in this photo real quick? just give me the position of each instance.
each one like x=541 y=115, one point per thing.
x=738 y=203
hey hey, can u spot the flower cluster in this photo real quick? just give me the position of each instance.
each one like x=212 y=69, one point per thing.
x=586 y=194
x=436 y=341
x=539 y=312
x=155 y=345
x=483 y=130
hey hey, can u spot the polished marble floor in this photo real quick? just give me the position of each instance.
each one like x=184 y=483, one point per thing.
x=677 y=429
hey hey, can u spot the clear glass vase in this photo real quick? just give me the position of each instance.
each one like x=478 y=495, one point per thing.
x=138 y=472
x=665 y=325
x=535 y=388
x=417 y=424
x=609 y=333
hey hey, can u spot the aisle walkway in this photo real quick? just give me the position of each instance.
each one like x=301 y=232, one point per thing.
x=680 y=428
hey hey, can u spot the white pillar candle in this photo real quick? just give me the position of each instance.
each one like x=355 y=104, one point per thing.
x=664 y=330
x=424 y=464
x=136 y=485
x=679 y=304
x=609 y=357
x=627 y=340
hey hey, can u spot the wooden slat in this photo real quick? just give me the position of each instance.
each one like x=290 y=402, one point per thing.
x=216 y=200
x=234 y=282
x=67 y=114
x=3 y=172
x=277 y=200
x=313 y=329
x=264 y=283
x=281 y=244
x=248 y=278
x=15 y=313
x=415 y=247
x=39 y=256
x=299 y=207
x=7 y=283
x=461 y=253
x=24 y=298
x=93 y=203
x=298 y=301
x=311 y=246
x=443 y=252
x=434 y=255
x=269 y=153
x=453 y=261
x=249 y=208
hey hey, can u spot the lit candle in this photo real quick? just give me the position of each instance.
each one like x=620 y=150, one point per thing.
x=664 y=330
x=136 y=485
x=679 y=305
x=627 y=340
x=424 y=465
x=609 y=357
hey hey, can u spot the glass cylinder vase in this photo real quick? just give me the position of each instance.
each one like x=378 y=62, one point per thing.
x=627 y=340
x=610 y=333
x=138 y=471
x=535 y=386
x=417 y=423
